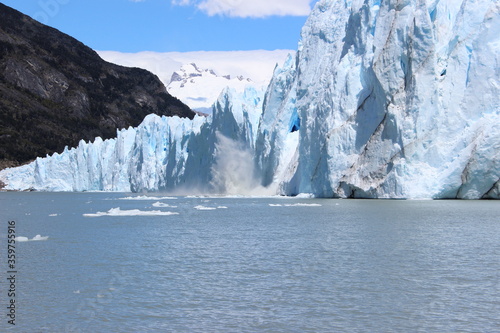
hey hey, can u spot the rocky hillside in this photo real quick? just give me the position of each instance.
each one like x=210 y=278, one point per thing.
x=55 y=91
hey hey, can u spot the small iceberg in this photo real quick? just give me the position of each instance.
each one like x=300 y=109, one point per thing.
x=295 y=205
x=303 y=205
x=144 y=197
x=133 y=212
x=162 y=205
x=36 y=238
x=200 y=207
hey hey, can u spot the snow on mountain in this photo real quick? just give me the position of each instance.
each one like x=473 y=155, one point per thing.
x=199 y=88
x=382 y=100
x=197 y=78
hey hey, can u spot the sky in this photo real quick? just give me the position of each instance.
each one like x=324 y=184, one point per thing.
x=174 y=25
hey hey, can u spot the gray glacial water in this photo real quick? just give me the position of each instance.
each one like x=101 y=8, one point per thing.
x=250 y=264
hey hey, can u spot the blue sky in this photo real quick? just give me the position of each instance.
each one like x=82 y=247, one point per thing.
x=174 y=25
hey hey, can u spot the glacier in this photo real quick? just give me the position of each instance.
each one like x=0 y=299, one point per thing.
x=396 y=99
x=161 y=154
x=383 y=99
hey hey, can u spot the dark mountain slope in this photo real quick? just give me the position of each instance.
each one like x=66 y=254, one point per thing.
x=55 y=91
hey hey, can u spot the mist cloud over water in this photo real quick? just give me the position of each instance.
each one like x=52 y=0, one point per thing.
x=234 y=172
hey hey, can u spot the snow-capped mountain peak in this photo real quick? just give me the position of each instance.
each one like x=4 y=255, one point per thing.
x=190 y=71
x=199 y=87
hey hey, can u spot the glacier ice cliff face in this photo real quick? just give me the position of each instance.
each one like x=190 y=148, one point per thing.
x=162 y=153
x=130 y=161
x=392 y=99
x=396 y=99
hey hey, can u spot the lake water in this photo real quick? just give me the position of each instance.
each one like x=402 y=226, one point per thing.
x=250 y=264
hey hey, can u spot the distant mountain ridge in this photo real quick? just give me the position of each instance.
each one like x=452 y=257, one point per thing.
x=55 y=91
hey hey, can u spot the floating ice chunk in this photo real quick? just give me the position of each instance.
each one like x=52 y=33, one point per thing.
x=36 y=238
x=295 y=205
x=144 y=197
x=52 y=215
x=162 y=205
x=133 y=212
x=240 y=196
x=40 y=238
x=303 y=205
x=200 y=207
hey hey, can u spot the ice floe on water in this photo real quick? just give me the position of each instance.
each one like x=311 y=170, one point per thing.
x=145 y=197
x=236 y=196
x=40 y=238
x=36 y=238
x=132 y=212
x=200 y=207
x=303 y=205
x=295 y=205
x=162 y=205
x=52 y=215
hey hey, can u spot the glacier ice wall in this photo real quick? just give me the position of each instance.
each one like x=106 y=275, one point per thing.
x=162 y=153
x=384 y=99
x=129 y=161
x=396 y=99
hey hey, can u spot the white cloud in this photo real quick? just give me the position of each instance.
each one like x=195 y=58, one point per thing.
x=250 y=8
